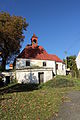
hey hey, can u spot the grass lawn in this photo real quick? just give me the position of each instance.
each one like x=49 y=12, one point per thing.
x=34 y=102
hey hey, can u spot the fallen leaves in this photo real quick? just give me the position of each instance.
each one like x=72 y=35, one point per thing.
x=36 y=105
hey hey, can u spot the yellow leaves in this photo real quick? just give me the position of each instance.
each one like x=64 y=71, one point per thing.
x=66 y=99
x=38 y=119
x=35 y=105
x=56 y=114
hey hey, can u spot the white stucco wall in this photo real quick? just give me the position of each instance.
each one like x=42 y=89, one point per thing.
x=21 y=63
x=61 y=69
x=78 y=61
x=26 y=76
x=47 y=76
x=31 y=75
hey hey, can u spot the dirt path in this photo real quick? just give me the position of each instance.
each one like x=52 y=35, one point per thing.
x=70 y=109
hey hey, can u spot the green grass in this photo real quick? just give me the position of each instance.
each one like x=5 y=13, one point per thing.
x=34 y=102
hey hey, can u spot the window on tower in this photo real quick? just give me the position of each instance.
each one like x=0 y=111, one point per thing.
x=34 y=41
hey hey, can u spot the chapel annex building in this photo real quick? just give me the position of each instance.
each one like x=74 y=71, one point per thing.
x=35 y=65
x=78 y=61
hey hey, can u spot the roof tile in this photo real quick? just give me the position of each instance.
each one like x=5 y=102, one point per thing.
x=38 y=53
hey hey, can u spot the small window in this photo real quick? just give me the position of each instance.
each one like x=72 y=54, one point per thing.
x=56 y=66
x=44 y=63
x=27 y=63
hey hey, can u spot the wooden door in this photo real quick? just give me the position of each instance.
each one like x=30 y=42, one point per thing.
x=41 y=77
x=7 y=79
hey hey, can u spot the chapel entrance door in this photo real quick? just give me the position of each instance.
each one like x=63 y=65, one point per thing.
x=41 y=77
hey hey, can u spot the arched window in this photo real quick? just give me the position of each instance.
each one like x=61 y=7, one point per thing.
x=34 y=41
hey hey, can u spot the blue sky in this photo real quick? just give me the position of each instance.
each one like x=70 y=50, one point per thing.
x=55 y=22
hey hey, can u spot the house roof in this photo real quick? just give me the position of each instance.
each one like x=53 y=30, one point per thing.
x=38 y=53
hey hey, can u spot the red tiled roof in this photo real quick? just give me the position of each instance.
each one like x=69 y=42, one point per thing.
x=38 y=53
x=55 y=58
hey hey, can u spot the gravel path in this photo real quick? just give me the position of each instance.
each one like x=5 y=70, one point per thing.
x=70 y=109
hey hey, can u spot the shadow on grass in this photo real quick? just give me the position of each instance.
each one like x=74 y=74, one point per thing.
x=19 y=88
x=1 y=99
x=54 y=83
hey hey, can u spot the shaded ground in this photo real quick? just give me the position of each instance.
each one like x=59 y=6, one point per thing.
x=19 y=88
x=70 y=109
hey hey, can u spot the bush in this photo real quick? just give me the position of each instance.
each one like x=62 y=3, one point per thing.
x=75 y=74
x=59 y=83
x=79 y=73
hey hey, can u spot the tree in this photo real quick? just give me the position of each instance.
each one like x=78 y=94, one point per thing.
x=71 y=63
x=11 y=36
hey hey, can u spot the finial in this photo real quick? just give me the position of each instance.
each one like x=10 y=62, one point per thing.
x=34 y=36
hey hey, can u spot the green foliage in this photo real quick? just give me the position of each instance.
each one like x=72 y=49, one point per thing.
x=11 y=35
x=59 y=82
x=13 y=81
x=71 y=63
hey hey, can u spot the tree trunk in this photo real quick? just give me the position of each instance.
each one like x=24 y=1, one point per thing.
x=3 y=64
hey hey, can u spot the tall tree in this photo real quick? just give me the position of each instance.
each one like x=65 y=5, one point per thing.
x=71 y=63
x=11 y=36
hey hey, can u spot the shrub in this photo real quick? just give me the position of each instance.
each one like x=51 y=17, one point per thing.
x=59 y=83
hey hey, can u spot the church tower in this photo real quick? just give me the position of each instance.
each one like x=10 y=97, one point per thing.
x=34 y=41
